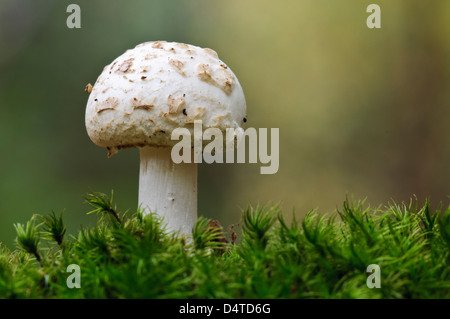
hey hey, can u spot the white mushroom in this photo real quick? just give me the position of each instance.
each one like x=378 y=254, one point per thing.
x=146 y=93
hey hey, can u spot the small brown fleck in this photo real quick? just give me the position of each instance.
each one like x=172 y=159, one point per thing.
x=163 y=132
x=88 y=88
x=143 y=77
x=224 y=66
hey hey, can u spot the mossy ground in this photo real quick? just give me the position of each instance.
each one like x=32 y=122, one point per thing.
x=129 y=255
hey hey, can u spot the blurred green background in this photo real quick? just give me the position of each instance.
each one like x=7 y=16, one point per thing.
x=361 y=112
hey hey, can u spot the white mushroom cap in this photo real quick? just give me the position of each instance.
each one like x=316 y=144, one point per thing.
x=148 y=91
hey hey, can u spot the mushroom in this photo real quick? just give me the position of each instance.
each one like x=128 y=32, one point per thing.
x=145 y=94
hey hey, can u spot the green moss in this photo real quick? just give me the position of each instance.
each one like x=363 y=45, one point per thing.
x=129 y=255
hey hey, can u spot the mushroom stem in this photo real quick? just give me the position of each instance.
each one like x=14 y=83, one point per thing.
x=168 y=189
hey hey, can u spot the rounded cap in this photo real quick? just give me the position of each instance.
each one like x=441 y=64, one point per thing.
x=149 y=91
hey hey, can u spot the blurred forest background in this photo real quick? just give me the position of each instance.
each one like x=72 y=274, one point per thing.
x=361 y=112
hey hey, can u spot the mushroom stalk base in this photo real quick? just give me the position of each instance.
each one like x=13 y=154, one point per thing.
x=168 y=189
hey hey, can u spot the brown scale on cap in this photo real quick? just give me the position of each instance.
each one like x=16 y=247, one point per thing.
x=204 y=72
x=158 y=44
x=195 y=114
x=178 y=66
x=211 y=52
x=138 y=105
x=126 y=65
x=150 y=56
x=224 y=77
x=112 y=65
x=216 y=120
x=145 y=107
x=109 y=104
x=182 y=45
x=175 y=104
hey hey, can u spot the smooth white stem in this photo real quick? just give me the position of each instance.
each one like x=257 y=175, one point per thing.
x=168 y=189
